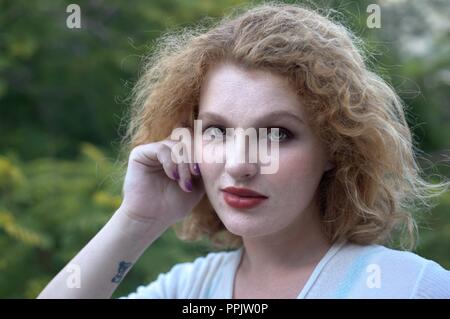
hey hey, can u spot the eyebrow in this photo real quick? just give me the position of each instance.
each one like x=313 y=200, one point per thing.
x=275 y=115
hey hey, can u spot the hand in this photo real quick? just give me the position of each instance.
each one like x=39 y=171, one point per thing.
x=158 y=189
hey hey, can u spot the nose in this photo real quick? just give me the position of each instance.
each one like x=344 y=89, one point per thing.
x=240 y=163
x=241 y=171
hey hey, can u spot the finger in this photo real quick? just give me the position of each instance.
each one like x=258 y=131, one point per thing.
x=195 y=169
x=182 y=154
x=185 y=181
x=156 y=155
x=189 y=145
x=170 y=167
x=182 y=159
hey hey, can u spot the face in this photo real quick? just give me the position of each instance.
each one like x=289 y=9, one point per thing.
x=232 y=97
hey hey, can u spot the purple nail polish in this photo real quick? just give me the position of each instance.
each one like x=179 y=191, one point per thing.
x=176 y=175
x=188 y=185
x=196 y=168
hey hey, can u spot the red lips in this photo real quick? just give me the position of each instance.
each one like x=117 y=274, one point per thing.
x=242 y=197
x=244 y=192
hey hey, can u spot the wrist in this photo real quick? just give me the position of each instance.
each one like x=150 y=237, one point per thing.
x=138 y=230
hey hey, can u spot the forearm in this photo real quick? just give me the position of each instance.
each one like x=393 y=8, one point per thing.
x=97 y=270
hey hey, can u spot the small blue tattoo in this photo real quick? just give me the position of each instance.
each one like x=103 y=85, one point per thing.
x=123 y=266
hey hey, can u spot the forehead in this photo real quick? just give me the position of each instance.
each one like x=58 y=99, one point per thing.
x=228 y=87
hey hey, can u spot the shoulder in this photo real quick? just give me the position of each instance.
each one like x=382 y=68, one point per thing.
x=390 y=273
x=434 y=282
x=188 y=279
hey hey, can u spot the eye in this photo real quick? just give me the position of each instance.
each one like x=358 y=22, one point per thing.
x=281 y=135
x=215 y=131
x=274 y=136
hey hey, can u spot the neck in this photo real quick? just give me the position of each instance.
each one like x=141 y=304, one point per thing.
x=301 y=244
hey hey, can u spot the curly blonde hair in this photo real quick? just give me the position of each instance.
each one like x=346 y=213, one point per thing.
x=376 y=184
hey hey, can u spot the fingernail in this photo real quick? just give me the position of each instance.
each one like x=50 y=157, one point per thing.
x=196 y=169
x=176 y=175
x=188 y=185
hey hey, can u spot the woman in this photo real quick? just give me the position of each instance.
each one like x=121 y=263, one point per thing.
x=344 y=186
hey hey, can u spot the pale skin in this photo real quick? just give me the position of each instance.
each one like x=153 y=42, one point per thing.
x=282 y=237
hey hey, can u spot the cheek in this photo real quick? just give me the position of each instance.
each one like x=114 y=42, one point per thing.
x=210 y=173
x=299 y=169
x=210 y=152
x=296 y=181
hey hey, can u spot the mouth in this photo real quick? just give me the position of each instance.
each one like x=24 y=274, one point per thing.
x=242 y=198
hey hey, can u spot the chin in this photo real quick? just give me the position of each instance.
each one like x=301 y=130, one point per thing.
x=246 y=227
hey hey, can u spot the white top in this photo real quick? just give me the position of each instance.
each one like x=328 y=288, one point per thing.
x=345 y=271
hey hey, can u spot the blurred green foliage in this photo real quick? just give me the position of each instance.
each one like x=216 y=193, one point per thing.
x=50 y=208
x=63 y=92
